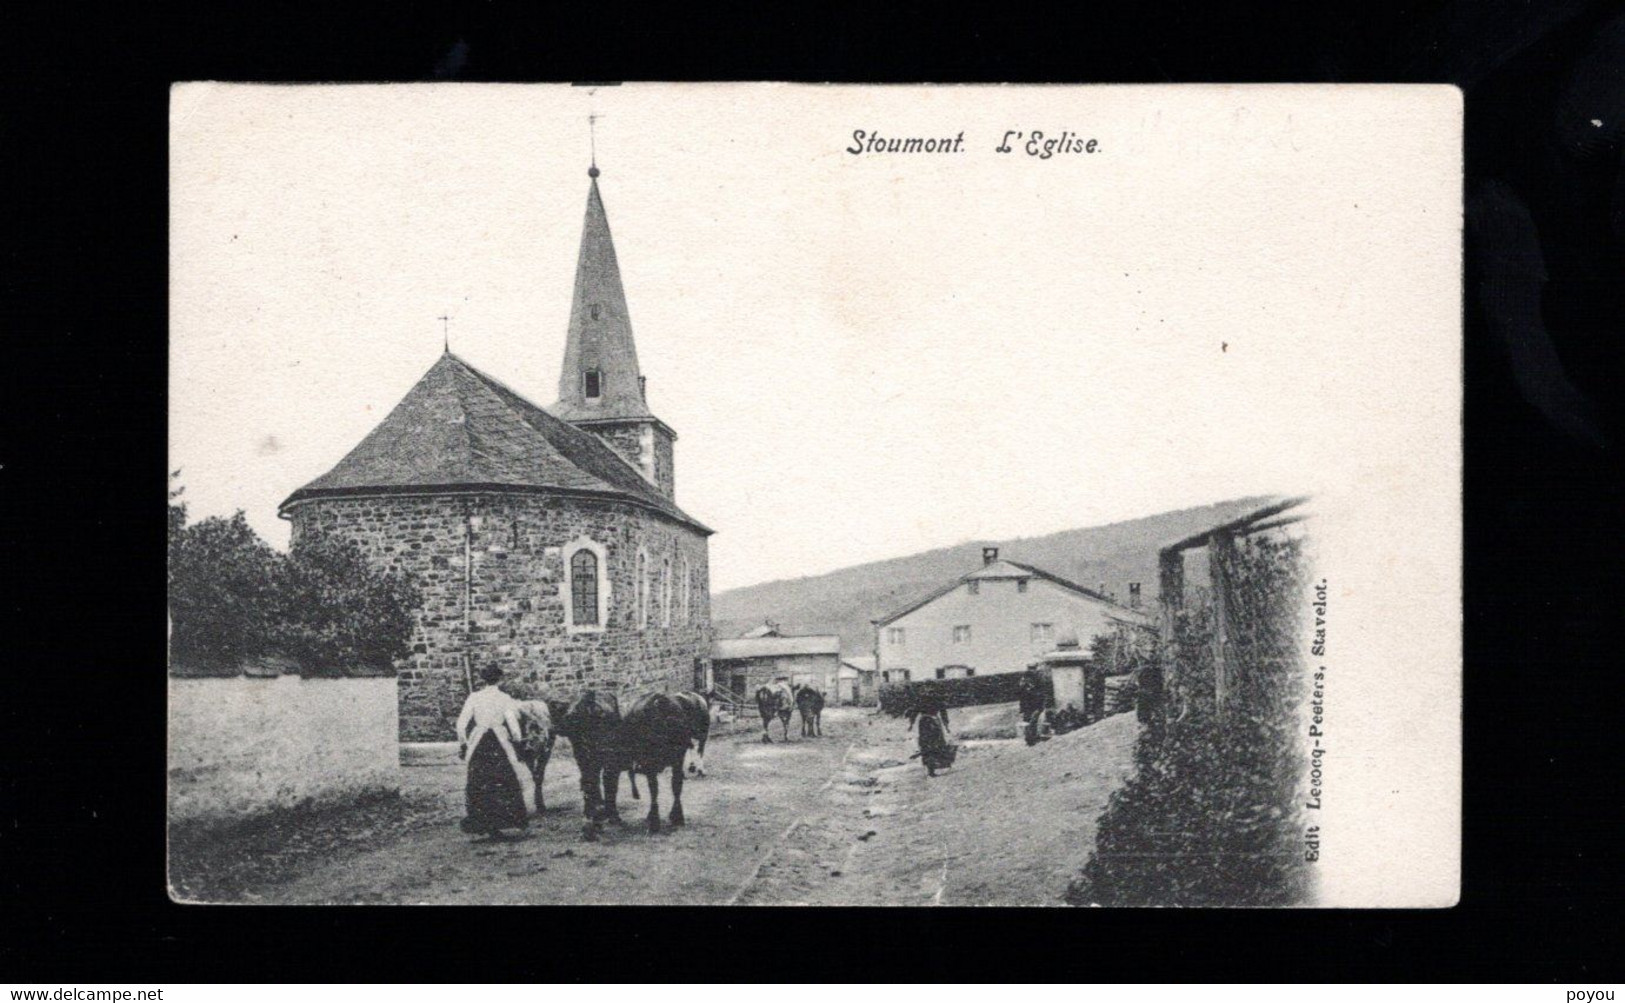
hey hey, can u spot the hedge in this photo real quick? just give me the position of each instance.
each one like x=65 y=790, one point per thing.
x=1212 y=816
x=973 y=691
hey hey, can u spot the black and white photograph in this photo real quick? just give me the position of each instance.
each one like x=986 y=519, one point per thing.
x=772 y=494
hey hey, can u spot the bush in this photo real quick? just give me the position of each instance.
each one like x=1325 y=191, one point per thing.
x=1211 y=817
x=897 y=699
x=233 y=599
x=222 y=594
x=339 y=616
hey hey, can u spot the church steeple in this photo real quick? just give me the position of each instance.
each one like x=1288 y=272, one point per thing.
x=601 y=388
x=601 y=378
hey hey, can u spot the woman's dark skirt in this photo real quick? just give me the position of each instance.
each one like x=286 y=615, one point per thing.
x=495 y=798
x=936 y=752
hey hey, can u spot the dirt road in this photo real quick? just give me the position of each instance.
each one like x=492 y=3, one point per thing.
x=842 y=819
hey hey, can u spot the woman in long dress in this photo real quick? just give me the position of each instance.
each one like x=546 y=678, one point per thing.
x=488 y=728
x=936 y=752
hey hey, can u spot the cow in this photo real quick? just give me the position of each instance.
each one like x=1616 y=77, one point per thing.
x=810 y=702
x=775 y=699
x=535 y=745
x=698 y=706
x=656 y=735
x=593 y=725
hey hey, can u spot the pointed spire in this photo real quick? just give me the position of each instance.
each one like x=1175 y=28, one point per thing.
x=600 y=378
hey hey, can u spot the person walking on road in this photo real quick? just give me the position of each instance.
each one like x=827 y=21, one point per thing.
x=936 y=752
x=488 y=728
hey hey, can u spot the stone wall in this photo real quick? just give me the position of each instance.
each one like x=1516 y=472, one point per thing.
x=638 y=441
x=491 y=568
x=243 y=745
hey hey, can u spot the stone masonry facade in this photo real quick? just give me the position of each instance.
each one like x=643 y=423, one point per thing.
x=492 y=568
x=628 y=439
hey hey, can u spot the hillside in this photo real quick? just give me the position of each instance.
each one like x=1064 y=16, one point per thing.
x=845 y=601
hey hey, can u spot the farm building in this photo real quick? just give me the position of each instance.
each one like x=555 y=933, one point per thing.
x=856 y=682
x=742 y=664
x=998 y=618
x=546 y=541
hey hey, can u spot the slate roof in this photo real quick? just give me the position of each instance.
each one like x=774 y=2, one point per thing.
x=768 y=647
x=600 y=334
x=1012 y=569
x=860 y=663
x=459 y=429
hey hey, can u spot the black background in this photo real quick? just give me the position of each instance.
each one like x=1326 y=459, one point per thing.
x=82 y=473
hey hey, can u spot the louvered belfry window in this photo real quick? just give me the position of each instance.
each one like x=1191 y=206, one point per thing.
x=591 y=383
x=584 y=588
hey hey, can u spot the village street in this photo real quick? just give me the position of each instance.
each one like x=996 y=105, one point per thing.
x=842 y=819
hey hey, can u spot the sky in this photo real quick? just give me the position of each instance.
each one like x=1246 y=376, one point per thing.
x=863 y=356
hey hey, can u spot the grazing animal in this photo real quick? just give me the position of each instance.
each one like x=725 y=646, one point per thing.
x=593 y=725
x=775 y=699
x=535 y=745
x=698 y=706
x=656 y=735
x=810 y=702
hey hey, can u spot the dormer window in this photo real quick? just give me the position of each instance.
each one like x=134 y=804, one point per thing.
x=591 y=384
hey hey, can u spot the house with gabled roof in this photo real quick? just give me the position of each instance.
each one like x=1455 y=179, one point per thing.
x=765 y=654
x=996 y=618
x=547 y=541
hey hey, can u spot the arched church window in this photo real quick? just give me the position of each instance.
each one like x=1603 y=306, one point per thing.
x=665 y=592
x=592 y=383
x=643 y=590
x=686 y=583
x=584 y=588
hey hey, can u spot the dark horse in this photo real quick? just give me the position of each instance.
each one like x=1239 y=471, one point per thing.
x=775 y=699
x=698 y=706
x=810 y=702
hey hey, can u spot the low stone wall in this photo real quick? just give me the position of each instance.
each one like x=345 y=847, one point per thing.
x=243 y=745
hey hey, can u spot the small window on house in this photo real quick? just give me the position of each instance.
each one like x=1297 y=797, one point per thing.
x=895 y=675
x=962 y=634
x=942 y=673
x=591 y=383
x=1043 y=633
x=974 y=588
x=894 y=635
x=584 y=588
x=1021 y=584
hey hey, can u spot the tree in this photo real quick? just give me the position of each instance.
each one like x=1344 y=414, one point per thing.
x=177 y=510
x=222 y=592
x=340 y=617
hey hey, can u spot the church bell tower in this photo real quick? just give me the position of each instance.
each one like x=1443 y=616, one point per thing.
x=601 y=388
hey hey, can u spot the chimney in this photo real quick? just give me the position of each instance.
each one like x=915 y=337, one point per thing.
x=1102 y=589
x=989 y=555
x=1134 y=595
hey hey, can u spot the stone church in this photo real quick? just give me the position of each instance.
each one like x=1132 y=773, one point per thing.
x=547 y=541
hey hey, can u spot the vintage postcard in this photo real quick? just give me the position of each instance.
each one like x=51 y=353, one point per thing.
x=827 y=495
